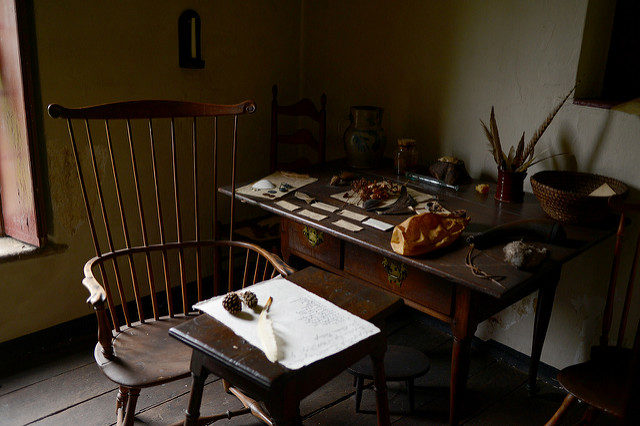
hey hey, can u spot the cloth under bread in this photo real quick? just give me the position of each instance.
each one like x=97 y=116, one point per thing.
x=426 y=232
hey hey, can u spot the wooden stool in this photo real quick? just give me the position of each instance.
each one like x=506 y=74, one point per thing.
x=401 y=364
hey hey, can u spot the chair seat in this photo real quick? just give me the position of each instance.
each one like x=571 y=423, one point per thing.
x=600 y=383
x=145 y=355
x=400 y=363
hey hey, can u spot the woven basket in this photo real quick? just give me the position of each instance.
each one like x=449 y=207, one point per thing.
x=565 y=195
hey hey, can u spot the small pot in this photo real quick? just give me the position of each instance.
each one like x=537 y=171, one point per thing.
x=510 y=186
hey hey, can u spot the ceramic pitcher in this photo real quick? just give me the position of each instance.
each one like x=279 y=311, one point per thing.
x=364 y=138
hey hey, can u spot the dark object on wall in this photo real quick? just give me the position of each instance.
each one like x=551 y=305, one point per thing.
x=623 y=64
x=189 y=40
x=609 y=61
x=450 y=170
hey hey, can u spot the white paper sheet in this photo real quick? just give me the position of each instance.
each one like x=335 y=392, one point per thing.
x=307 y=327
x=287 y=205
x=378 y=224
x=353 y=215
x=324 y=206
x=347 y=225
x=312 y=215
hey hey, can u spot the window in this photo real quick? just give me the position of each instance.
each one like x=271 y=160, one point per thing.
x=20 y=198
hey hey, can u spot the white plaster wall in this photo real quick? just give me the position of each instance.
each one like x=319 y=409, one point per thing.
x=437 y=68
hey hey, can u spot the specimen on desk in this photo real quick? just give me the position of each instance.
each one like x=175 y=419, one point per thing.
x=450 y=170
x=266 y=334
x=342 y=179
x=374 y=190
x=426 y=232
x=522 y=157
x=250 y=299
x=403 y=205
x=524 y=255
x=232 y=303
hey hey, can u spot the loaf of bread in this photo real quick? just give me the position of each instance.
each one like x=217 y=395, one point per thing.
x=426 y=232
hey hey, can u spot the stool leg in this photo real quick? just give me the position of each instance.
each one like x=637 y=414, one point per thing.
x=359 y=386
x=411 y=395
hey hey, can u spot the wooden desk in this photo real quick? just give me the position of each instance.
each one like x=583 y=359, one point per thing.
x=439 y=283
x=217 y=350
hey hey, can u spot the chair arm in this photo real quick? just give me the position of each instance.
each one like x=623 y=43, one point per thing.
x=280 y=264
x=97 y=295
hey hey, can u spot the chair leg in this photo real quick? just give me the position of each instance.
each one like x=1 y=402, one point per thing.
x=121 y=404
x=568 y=400
x=131 y=406
x=589 y=416
x=411 y=395
x=359 y=386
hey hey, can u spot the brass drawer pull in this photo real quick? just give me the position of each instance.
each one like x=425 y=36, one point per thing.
x=314 y=236
x=396 y=271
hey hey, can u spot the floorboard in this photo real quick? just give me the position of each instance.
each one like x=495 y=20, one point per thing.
x=71 y=390
x=45 y=371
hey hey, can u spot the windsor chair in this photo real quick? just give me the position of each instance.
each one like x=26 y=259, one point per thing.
x=609 y=381
x=304 y=137
x=141 y=171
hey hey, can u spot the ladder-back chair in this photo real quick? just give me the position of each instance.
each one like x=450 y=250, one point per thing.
x=148 y=173
x=304 y=137
x=609 y=381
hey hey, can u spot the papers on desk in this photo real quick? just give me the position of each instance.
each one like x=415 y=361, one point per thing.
x=278 y=178
x=347 y=225
x=307 y=327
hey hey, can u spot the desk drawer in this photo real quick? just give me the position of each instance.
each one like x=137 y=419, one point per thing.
x=406 y=281
x=308 y=242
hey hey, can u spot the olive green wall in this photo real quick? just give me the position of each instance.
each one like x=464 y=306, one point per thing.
x=92 y=52
x=437 y=67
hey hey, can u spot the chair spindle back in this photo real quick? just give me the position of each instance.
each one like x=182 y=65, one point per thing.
x=302 y=108
x=121 y=175
x=613 y=278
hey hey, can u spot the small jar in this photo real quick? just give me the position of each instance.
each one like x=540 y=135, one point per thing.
x=406 y=156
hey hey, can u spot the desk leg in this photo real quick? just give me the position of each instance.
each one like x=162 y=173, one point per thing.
x=544 y=306
x=463 y=327
x=380 y=381
x=199 y=375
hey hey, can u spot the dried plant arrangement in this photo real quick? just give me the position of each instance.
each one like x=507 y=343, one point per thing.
x=521 y=158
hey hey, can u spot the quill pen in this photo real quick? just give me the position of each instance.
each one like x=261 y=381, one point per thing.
x=266 y=334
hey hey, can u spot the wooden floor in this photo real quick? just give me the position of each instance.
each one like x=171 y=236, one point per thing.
x=72 y=391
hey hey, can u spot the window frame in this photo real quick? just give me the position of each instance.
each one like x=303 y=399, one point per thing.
x=32 y=233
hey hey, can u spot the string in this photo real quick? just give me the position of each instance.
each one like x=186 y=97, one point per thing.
x=479 y=272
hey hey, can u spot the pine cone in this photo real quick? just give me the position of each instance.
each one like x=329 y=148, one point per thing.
x=232 y=303
x=250 y=299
